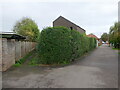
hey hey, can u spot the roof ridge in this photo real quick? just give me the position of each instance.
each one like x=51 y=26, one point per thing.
x=68 y=21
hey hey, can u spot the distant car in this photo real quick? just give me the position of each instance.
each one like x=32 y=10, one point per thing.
x=103 y=42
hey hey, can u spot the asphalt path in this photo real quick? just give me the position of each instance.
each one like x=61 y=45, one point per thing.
x=98 y=69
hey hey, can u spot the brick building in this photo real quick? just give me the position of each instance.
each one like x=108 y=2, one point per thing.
x=61 y=21
x=99 y=41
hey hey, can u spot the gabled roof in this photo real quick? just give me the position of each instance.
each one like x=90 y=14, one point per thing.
x=92 y=35
x=68 y=21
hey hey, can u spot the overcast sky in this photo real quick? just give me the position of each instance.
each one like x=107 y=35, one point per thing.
x=95 y=16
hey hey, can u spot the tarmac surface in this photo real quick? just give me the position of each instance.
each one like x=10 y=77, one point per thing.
x=98 y=69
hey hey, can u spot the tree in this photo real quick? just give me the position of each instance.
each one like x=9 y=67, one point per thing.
x=28 y=28
x=114 y=35
x=104 y=37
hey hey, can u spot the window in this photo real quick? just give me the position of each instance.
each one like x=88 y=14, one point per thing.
x=71 y=28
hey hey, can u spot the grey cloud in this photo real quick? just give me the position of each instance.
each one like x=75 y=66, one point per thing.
x=94 y=17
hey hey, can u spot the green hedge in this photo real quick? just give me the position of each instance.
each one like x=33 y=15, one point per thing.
x=81 y=44
x=61 y=45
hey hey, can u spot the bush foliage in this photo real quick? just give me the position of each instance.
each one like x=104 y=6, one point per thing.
x=114 y=35
x=61 y=45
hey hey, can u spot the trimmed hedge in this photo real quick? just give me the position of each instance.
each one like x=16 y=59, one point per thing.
x=61 y=45
x=81 y=44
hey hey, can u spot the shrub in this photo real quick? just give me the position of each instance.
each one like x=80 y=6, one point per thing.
x=81 y=44
x=61 y=45
x=55 y=45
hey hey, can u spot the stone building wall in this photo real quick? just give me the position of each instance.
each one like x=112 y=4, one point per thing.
x=61 y=21
x=65 y=23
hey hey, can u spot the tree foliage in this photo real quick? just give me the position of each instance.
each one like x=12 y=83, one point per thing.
x=28 y=28
x=114 y=35
x=61 y=45
x=104 y=37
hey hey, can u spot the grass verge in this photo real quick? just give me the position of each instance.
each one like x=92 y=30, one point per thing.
x=118 y=52
x=22 y=60
x=116 y=48
x=35 y=60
